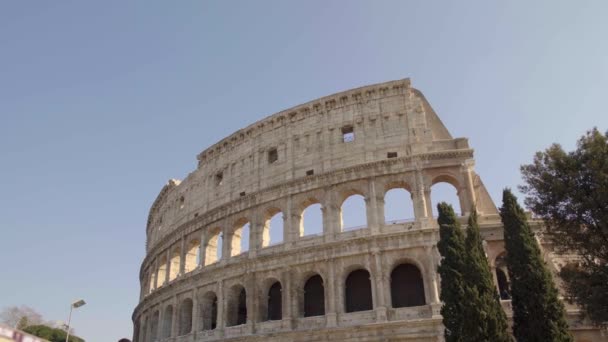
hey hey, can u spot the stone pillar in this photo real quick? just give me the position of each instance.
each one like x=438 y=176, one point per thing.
x=432 y=263
x=291 y=223
x=251 y=302
x=202 y=249
x=467 y=171
x=332 y=224
x=195 y=313
x=168 y=267
x=379 y=283
x=288 y=299
x=331 y=296
x=182 y=257
x=161 y=323
x=256 y=233
x=174 y=318
x=221 y=306
x=371 y=209
x=420 y=197
x=226 y=243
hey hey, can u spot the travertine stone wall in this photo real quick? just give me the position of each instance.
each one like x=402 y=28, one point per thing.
x=364 y=141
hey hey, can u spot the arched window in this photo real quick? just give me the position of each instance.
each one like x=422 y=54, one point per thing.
x=273 y=228
x=358 y=291
x=314 y=297
x=154 y=322
x=240 y=239
x=275 y=302
x=504 y=289
x=398 y=206
x=445 y=192
x=353 y=213
x=237 y=306
x=175 y=264
x=407 y=286
x=213 y=248
x=162 y=271
x=167 y=322
x=312 y=220
x=185 y=317
x=208 y=307
x=192 y=255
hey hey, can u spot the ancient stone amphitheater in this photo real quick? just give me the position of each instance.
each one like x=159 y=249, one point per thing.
x=233 y=255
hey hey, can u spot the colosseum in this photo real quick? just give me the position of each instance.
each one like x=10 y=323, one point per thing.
x=253 y=245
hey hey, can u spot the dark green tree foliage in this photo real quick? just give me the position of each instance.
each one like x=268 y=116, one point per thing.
x=538 y=314
x=451 y=270
x=485 y=318
x=51 y=334
x=569 y=190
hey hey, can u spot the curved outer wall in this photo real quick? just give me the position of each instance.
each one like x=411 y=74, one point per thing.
x=364 y=141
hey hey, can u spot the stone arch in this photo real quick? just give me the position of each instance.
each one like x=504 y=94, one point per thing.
x=311 y=222
x=167 y=322
x=208 y=311
x=193 y=258
x=273 y=231
x=314 y=296
x=236 y=313
x=353 y=210
x=185 y=316
x=502 y=277
x=162 y=270
x=407 y=286
x=446 y=187
x=174 y=265
x=239 y=237
x=398 y=202
x=213 y=247
x=358 y=291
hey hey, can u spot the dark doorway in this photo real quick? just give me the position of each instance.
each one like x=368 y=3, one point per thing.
x=407 y=286
x=314 y=297
x=275 y=302
x=242 y=308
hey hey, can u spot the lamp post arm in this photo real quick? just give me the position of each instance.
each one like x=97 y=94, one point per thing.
x=67 y=336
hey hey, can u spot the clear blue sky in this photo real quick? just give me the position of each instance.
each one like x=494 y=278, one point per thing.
x=102 y=102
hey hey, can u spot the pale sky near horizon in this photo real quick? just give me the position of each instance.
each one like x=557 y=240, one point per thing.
x=102 y=102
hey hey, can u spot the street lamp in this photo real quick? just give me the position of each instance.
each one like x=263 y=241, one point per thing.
x=74 y=305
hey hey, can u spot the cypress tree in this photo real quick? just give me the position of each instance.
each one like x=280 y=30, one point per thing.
x=453 y=263
x=538 y=314
x=485 y=318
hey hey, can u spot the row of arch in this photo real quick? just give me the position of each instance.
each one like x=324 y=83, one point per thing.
x=353 y=211
x=406 y=289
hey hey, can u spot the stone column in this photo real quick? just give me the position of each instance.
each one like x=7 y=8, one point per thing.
x=432 y=263
x=379 y=284
x=371 y=209
x=420 y=197
x=221 y=306
x=195 y=313
x=226 y=243
x=288 y=299
x=161 y=318
x=182 y=257
x=256 y=233
x=331 y=216
x=202 y=249
x=467 y=170
x=168 y=267
x=174 y=319
x=251 y=302
x=331 y=296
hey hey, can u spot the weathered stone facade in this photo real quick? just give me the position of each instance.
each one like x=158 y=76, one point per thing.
x=340 y=285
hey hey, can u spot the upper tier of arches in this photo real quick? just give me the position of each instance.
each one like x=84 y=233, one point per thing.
x=374 y=123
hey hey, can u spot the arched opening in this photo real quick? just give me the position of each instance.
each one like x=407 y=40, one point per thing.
x=407 y=286
x=237 y=306
x=162 y=271
x=185 y=317
x=358 y=291
x=154 y=321
x=312 y=220
x=273 y=228
x=175 y=264
x=398 y=206
x=167 y=322
x=192 y=256
x=314 y=297
x=240 y=239
x=445 y=192
x=353 y=213
x=213 y=248
x=208 y=307
x=275 y=302
x=502 y=280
